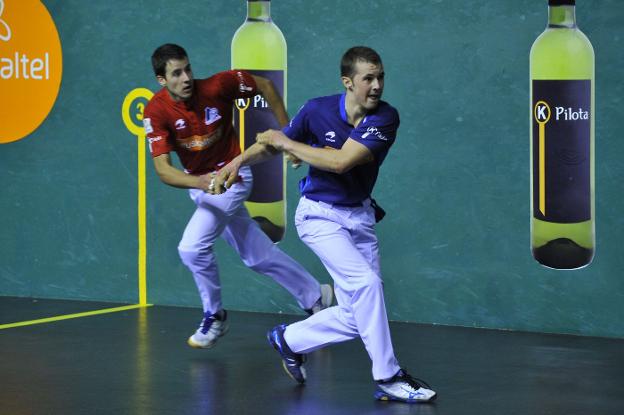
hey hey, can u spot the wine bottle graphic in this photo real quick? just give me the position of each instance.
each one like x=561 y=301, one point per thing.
x=259 y=47
x=562 y=142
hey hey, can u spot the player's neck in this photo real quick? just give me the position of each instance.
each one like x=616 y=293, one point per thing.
x=355 y=112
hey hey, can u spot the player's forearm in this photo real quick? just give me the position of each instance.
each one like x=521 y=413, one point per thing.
x=177 y=178
x=256 y=153
x=322 y=158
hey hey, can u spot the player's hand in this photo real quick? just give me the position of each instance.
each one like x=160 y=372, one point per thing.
x=207 y=182
x=273 y=138
x=225 y=178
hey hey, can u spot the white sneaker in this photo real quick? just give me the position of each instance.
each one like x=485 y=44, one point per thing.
x=402 y=387
x=326 y=299
x=210 y=329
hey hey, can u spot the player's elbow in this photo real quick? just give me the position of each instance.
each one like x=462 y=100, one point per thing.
x=164 y=177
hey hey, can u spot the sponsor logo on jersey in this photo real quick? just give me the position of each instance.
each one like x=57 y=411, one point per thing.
x=242 y=85
x=147 y=125
x=180 y=124
x=211 y=115
x=152 y=140
x=374 y=131
x=330 y=136
x=200 y=142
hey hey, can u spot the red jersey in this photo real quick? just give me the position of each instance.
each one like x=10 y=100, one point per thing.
x=199 y=130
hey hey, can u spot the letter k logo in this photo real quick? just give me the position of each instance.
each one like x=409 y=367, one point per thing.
x=541 y=112
x=5 y=30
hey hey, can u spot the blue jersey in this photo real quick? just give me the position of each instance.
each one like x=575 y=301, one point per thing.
x=322 y=122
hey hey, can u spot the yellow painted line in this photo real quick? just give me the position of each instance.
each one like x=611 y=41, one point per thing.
x=70 y=316
x=542 y=169
x=542 y=106
x=142 y=210
x=131 y=111
x=241 y=121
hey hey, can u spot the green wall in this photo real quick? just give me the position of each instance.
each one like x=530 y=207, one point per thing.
x=455 y=243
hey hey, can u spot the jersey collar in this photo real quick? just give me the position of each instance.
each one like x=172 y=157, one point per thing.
x=343 y=107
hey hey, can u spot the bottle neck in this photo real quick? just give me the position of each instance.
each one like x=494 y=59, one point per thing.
x=259 y=11
x=561 y=17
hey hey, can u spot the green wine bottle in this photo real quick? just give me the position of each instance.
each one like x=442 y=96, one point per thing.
x=259 y=47
x=562 y=142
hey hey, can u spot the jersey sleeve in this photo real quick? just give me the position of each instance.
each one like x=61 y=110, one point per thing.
x=377 y=131
x=236 y=84
x=156 y=132
x=298 y=127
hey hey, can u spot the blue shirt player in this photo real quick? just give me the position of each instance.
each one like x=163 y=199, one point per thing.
x=345 y=139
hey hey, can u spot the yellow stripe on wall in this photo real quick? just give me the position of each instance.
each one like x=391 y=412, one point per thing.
x=132 y=115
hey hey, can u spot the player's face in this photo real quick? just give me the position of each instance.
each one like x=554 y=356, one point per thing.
x=178 y=79
x=367 y=84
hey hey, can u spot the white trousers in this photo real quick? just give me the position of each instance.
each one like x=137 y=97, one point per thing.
x=344 y=239
x=225 y=215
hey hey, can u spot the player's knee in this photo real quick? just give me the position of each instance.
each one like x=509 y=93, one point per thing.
x=194 y=254
x=371 y=281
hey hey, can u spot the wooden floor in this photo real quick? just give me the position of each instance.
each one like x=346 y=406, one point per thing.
x=137 y=362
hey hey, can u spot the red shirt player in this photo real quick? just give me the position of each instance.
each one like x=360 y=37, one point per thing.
x=199 y=129
x=194 y=119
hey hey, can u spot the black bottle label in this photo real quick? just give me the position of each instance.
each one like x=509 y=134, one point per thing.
x=561 y=150
x=252 y=116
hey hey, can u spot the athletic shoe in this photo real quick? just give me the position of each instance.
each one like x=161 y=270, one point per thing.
x=291 y=361
x=402 y=387
x=324 y=301
x=210 y=329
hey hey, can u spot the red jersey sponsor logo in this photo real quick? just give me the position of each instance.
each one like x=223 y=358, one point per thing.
x=242 y=85
x=200 y=142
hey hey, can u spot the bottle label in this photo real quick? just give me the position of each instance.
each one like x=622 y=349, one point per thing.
x=252 y=116
x=561 y=150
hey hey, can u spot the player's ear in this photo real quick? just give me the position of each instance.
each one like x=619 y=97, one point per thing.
x=161 y=80
x=347 y=82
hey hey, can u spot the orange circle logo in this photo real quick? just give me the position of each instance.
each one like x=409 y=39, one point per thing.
x=31 y=65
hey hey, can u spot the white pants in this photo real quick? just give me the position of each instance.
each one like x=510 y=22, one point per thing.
x=344 y=239
x=225 y=215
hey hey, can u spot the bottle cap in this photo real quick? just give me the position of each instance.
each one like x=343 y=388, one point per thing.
x=561 y=2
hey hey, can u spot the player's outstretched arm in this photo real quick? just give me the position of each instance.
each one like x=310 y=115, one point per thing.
x=267 y=89
x=228 y=174
x=338 y=161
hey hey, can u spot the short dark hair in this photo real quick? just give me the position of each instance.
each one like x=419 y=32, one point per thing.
x=357 y=54
x=164 y=53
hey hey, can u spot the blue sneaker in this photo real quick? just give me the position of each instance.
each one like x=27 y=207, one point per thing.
x=402 y=387
x=291 y=361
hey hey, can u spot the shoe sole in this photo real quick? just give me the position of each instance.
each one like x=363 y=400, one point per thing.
x=383 y=396
x=194 y=345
